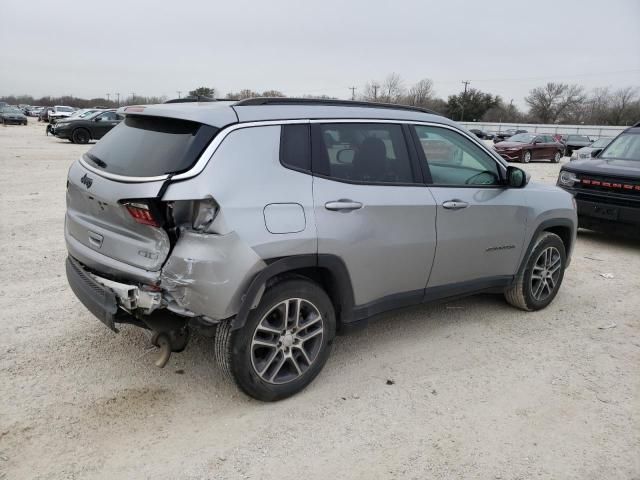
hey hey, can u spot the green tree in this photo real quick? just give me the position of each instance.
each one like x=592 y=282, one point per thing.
x=474 y=104
x=203 y=92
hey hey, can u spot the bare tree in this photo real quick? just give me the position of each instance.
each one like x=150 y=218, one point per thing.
x=392 y=89
x=621 y=101
x=549 y=104
x=421 y=93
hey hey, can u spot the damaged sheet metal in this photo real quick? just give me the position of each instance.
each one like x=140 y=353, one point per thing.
x=207 y=273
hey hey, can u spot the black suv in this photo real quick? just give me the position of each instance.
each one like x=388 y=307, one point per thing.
x=607 y=185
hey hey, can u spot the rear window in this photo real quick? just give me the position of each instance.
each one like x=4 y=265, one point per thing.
x=142 y=146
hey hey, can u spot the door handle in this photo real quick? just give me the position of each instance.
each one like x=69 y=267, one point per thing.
x=343 y=205
x=455 y=204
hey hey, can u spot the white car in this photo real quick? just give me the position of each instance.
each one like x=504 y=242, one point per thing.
x=60 y=111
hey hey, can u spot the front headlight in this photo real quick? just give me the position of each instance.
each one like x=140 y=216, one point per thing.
x=567 y=179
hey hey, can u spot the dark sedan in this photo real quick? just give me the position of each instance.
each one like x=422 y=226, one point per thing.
x=525 y=147
x=93 y=127
x=12 y=115
x=574 y=142
x=481 y=134
x=503 y=135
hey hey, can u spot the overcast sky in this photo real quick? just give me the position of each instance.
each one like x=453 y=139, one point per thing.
x=89 y=48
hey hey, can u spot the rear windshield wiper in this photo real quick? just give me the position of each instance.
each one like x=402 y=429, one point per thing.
x=95 y=160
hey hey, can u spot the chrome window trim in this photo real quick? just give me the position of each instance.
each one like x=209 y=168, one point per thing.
x=208 y=153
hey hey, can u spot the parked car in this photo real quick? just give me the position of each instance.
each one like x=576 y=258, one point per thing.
x=524 y=147
x=503 y=135
x=60 y=111
x=574 y=142
x=280 y=222
x=12 y=115
x=44 y=114
x=33 y=111
x=3 y=105
x=606 y=186
x=481 y=134
x=585 y=152
x=93 y=126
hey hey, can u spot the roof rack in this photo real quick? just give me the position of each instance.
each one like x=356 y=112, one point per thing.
x=321 y=101
x=198 y=98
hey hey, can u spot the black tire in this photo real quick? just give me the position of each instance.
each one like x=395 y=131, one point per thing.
x=556 y=157
x=522 y=293
x=526 y=156
x=81 y=136
x=235 y=353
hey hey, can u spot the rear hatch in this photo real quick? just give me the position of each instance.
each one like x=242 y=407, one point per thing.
x=112 y=193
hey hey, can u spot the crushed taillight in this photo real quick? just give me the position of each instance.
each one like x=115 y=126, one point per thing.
x=141 y=213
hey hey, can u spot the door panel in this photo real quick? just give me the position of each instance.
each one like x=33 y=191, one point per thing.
x=387 y=244
x=483 y=239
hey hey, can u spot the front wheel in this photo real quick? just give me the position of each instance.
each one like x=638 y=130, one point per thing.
x=556 y=157
x=526 y=156
x=80 y=135
x=283 y=345
x=537 y=285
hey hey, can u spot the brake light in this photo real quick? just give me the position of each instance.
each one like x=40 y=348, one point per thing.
x=141 y=213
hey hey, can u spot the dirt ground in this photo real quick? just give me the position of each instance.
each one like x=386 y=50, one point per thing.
x=469 y=389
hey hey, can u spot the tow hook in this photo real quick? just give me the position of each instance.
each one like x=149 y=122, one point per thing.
x=168 y=342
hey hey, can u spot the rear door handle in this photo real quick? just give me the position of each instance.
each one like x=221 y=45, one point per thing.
x=455 y=204
x=343 y=205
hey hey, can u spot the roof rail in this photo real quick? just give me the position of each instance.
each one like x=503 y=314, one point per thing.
x=329 y=102
x=637 y=125
x=198 y=98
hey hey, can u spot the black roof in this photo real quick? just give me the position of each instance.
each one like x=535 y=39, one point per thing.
x=329 y=102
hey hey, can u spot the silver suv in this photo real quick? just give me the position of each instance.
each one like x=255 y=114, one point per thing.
x=275 y=223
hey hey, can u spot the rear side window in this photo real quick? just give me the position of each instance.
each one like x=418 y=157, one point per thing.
x=144 y=146
x=362 y=152
x=295 y=147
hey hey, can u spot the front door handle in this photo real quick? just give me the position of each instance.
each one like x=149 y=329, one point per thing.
x=343 y=205
x=455 y=204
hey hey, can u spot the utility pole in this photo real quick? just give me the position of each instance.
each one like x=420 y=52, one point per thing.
x=464 y=98
x=118 y=95
x=133 y=96
x=353 y=92
x=108 y=95
x=179 y=92
x=375 y=87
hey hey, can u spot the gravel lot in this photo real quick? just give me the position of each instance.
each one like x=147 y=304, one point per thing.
x=480 y=390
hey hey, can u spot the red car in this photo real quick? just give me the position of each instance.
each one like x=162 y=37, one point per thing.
x=525 y=147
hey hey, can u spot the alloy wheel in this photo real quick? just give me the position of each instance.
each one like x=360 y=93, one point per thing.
x=287 y=341
x=526 y=157
x=546 y=273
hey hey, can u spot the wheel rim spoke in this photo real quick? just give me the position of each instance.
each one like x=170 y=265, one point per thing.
x=545 y=273
x=287 y=341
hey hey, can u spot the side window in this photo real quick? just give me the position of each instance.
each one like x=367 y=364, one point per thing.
x=107 y=117
x=539 y=139
x=295 y=147
x=452 y=159
x=362 y=152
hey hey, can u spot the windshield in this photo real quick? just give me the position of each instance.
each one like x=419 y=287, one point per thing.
x=143 y=146
x=601 y=143
x=12 y=110
x=624 y=147
x=522 y=138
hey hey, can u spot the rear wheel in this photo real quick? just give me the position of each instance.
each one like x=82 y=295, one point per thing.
x=80 y=135
x=556 y=157
x=537 y=285
x=526 y=156
x=284 y=344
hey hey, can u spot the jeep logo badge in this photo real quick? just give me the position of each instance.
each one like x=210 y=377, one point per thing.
x=86 y=180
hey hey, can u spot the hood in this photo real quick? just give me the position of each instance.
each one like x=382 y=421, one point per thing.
x=608 y=167
x=510 y=144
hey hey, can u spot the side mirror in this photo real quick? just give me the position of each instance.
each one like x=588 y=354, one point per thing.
x=516 y=177
x=596 y=152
